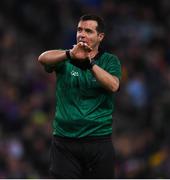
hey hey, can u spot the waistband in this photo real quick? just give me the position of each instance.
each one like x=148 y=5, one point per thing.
x=84 y=139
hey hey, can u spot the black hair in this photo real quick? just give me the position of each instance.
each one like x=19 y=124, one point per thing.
x=100 y=21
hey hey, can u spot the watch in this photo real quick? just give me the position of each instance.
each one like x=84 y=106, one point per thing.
x=68 y=54
x=92 y=63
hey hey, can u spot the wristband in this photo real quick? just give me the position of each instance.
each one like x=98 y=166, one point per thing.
x=86 y=64
x=91 y=64
x=68 y=54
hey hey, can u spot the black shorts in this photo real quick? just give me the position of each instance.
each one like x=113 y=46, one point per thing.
x=85 y=158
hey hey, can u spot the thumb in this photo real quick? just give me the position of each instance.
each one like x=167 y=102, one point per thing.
x=89 y=57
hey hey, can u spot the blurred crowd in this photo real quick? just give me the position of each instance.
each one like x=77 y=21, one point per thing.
x=138 y=32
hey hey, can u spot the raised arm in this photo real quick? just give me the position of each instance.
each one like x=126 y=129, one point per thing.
x=79 y=51
x=52 y=57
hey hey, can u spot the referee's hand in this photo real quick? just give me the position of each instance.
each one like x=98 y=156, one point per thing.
x=80 y=51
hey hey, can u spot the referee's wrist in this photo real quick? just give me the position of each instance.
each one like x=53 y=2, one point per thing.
x=91 y=64
x=68 y=54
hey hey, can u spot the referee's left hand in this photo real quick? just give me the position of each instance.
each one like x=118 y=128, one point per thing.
x=80 y=51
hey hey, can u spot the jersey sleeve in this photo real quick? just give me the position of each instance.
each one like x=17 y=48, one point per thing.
x=49 y=68
x=114 y=67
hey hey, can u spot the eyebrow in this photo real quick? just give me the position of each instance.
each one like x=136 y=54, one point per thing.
x=86 y=29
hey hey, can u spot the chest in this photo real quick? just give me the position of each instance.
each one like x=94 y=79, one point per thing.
x=73 y=77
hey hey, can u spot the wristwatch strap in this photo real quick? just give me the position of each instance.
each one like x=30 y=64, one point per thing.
x=92 y=63
x=68 y=54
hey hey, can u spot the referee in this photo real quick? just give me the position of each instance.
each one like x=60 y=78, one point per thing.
x=87 y=79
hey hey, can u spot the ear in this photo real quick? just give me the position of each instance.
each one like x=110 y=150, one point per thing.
x=101 y=36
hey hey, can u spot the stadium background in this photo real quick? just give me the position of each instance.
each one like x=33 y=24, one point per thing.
x=137 y=31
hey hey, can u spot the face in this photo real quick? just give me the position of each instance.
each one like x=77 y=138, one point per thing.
x=86 y=32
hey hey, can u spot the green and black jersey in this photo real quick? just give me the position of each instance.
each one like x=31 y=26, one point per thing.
x=83 y=106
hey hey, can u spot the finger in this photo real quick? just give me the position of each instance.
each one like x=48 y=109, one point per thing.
x=80 y=44
x=89 y=57
x=87 y=47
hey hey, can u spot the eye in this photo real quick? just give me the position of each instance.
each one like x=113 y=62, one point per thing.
x=79 y=29
x=89 y=31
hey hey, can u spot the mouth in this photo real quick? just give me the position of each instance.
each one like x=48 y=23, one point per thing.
x=84 y=42
x=80 y=40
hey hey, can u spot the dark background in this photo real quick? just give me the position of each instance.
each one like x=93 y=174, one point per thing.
x=138 y=32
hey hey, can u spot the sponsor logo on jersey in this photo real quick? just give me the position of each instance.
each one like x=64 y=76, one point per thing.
x=74 y=73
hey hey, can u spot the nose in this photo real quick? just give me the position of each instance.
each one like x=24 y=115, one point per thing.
x=82 y=34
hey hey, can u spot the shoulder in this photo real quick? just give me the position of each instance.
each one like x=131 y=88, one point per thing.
x=110 y=57
x=112 y=64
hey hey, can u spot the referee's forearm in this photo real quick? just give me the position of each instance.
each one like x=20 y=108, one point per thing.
x=107 y=80
x=52 y=56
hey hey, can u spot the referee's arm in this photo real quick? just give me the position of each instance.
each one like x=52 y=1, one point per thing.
x=107 y=80
x=52 y=57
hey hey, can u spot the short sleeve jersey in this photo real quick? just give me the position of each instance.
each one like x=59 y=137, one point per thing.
x=83 y=106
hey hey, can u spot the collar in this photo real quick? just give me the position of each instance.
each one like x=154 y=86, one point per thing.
x=98 y=55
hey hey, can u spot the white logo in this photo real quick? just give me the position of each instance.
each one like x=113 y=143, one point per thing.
x=74 y=73
x=93 y=79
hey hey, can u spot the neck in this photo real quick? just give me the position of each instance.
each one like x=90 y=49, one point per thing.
x=94 y=53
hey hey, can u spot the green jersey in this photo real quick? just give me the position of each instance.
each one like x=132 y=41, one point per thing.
x=83 y=106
